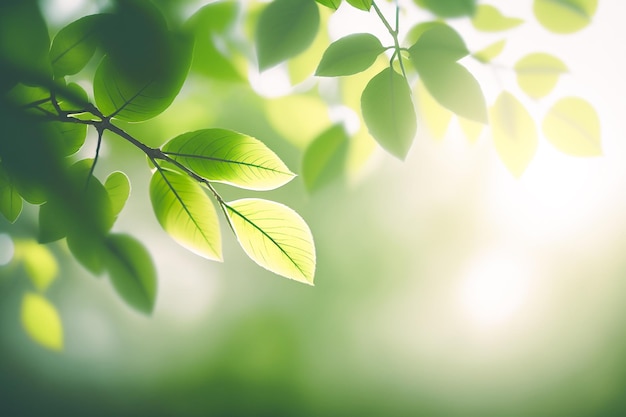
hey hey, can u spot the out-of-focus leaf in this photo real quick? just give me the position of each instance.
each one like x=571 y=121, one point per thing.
x=490 y=52
x=437 y=42
x=490 y=19
x=303 y=65
x=52 y=224
x=388 y=112
x=230 y=157
x=186 y=213
x=514 y=133
x=285 y=28
x=564 y=16
x=298 y=117
x=118 y=189
x=132 y=271
x=333 y=4
x=449 y=8
x=471 y=129
x=434 y=115
x=41 y=321
x=75 y=44
x=349 y=55
x=275 y=237
x=88 y=250
x=40 y=265
x=573 y=127
x=538 y=73
x=361 y=4
x=324 y=159
x=10 y=200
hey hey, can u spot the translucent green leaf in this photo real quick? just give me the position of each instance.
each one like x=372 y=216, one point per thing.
x=514 y=133
x=275 y=237
x=490 y=19
x=303 y=65
x=438 y=41
x=75 y=44
x=71 y=136
x=454 y=87
x=388 y=112
x=349 y=55
x=449 y=8
x=285 y=28
x=333 y=4
x=298 y=117
x=564 y=16
x=490 y=52
x=573 y=127
x=10 y=200
x=471 y=129
x=118 y=189
x=324 y=159
x=361 y=4
x=538 y=73
x=132 y=271
x=91 y=196
x=40 y=265
x=230 y=157
x=41 y=321
x=186 y=213
x=434 y=115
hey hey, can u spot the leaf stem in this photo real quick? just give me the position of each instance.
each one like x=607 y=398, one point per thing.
x=394 y=34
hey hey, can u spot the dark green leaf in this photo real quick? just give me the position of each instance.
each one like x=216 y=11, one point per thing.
x=186 y=213
x=389 y=113
x=274 y=236
x=10 y=200
x=361 y=4
x=75 y=44
x=285 y=28
x=449 y=8
x=118 y=189
x=438 y=41
x=333 y=4
x=132 y=271
x=230 y=157
x=324 y=159
x=52 y=223
x=349 y=55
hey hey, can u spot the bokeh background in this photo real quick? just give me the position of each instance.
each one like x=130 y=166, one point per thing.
x=444 y=286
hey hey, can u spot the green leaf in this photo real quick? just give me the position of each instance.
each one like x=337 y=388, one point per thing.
x=41 y=321
x=285 y=28
x=361 y=4
x=230 y=157
x=88 y=250
x=438 y=42
x=389 y=113
x=75 y=44
x=132 y=272
x=573 y=127
x=455 y=88
x=52 y=224
x=350 y=55
x=40 y=265
x=449 y=8
x=333 y=4
x=186 y=213
x=489 y=19
x=434 y=115
x=274 y=236
x=10 y=200
x=471 y=129
x=514 y=133
x=118 y=189
x=538 y=73
x=487 y=54
x=564 y=16
x=324 y=159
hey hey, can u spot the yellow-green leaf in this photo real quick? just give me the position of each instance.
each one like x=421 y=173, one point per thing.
x=514 y=133
x=41 y=321
x=274 y=236
x=435 y=116
x=40 y=265
x=490 y=19
x=573 y=127
x=538 y=73
x=490 y=52
x=471 y=129
x=361 y=4
x=186 y=213
x=564 y=16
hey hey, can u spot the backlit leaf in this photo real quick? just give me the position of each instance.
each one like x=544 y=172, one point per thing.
x=349 y=55
x=388 y=112
x=438 y=41
x=298 y=117
x=490 y=52
x=434 y=115
x=333 y=4
x=118 y=189
x=10 y=200
x=490 y=19
x=230 y=157
x=471 y=129
x=40 y=265
x=573 y=127
x=324 y=159
x=514 y=133
x=303 y=65
x=564 y=16
x=449 y=8
x=41 y=321
x=285 y=28
x=132 y=271
x=186 y=213
x=361 y=4
x=538 y=73
x=274 y=236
